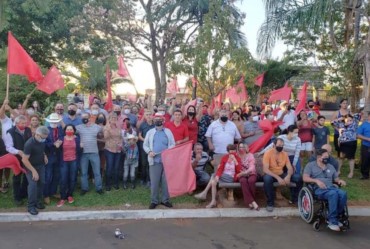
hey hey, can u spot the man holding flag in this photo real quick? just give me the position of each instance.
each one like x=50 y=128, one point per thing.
x=156 y=141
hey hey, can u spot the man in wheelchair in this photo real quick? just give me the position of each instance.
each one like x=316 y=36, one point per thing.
x=323 y=176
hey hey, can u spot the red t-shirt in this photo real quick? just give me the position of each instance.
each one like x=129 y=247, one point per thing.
x=179 y=132
x=69 y=150
x=192 y=127
x=305 y=132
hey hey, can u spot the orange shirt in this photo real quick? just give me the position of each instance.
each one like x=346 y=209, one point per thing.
x=276 y=162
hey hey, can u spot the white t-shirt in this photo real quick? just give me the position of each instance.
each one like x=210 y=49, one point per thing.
x=222 y=135
x=289 y=119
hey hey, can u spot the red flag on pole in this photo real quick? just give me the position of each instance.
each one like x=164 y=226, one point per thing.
x=242 y=90
x=281 y=93
x=302 y=97
x=109 y=103
x=173 y=87
x=19 y=62
x=259 y=80
x=52 y=81
x=180 y=175
x=122 y=69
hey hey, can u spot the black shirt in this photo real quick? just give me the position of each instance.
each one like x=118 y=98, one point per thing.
x=35 y=150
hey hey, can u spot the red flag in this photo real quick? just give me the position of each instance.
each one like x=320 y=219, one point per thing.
x=259 y=80
x=173 y=87
x=268 y=128
x=109 y=103
x=302 y=97
x=194 y=81
x=180 y=175
x=19 y=62
x=10 y=161
x=52 y=81
x=281 y=93
x=122 y=69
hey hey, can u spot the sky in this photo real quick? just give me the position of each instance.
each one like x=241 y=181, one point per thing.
x=141 y=72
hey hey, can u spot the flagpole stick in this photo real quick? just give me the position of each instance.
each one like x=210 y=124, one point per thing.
x=7 y=86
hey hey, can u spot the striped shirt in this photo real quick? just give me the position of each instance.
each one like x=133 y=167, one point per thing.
x=291 y=147
x=88 y=135
x=202 y=162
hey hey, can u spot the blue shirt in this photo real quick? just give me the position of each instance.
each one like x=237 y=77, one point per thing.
x=160 y=144
x=68 y=121
x=364 y=130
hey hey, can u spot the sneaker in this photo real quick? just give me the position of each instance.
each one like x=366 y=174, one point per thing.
x=167 y=204
x=153 y=205
x=70 y=199
x=269 y=208
x=60 y=203
x=334 y=227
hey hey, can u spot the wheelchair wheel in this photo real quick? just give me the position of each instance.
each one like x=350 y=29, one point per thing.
x=316 y=226
x=306 y=205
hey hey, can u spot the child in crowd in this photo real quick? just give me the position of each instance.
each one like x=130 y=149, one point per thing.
x=131 y=160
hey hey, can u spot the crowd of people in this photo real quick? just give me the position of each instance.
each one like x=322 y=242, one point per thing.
x=120 y=148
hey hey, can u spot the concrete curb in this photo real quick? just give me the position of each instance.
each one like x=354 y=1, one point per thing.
x=161 y=214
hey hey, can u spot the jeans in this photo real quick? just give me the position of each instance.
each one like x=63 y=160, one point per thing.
x=129 y=168
x=20 y=184
x=144 y=164
x=337 y=200
x=68 y=178
x=269 y=187
x=112 y=168
x=94 y=159
x=35 y=188
x=157 y=180
x=365 y=161
x=297 y=178
x=52 y=176
x=202 y=177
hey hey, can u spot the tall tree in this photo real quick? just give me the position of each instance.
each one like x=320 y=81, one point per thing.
x=153 y=31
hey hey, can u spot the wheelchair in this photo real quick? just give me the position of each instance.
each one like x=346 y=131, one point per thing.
x=315 y=211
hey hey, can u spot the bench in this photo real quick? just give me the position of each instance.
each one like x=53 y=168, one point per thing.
x=259 y=183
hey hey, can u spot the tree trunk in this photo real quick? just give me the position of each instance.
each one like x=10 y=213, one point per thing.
x=194 y=93
x=163 y=82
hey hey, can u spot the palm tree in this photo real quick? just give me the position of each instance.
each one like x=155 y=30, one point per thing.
x=319 y=16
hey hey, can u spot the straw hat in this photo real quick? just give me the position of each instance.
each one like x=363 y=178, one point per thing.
x=53 y=118
x=130 y=136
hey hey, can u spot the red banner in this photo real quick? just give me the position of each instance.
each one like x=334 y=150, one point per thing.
x=179 y=173
x=281 y=94
x=122 y=69
x=52 y=81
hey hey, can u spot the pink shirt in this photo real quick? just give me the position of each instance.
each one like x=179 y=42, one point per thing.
x=229 y=169
x=69 y=150
x=248 y=163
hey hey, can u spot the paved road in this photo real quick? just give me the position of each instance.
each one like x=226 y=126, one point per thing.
x=252 y=233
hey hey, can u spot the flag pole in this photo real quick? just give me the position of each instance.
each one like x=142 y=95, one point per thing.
x=7 y=86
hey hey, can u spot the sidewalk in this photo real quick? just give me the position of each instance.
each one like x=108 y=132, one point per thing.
x=161 y=214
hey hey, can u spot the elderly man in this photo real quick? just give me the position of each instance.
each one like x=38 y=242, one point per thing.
x=179 y=130
x=221 y=133
x=199 y=161
x=277 y=168
x=34 y=160
x=156 y=141
x=322 y=175
x=286 y=115
x=88 y=133
x=145 y=126
x=252 y=131
x=14 y=140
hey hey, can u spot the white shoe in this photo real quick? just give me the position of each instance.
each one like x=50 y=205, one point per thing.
x=334 y=227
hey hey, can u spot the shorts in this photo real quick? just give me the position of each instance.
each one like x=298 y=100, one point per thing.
x=348 y=149
x=306 y=146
